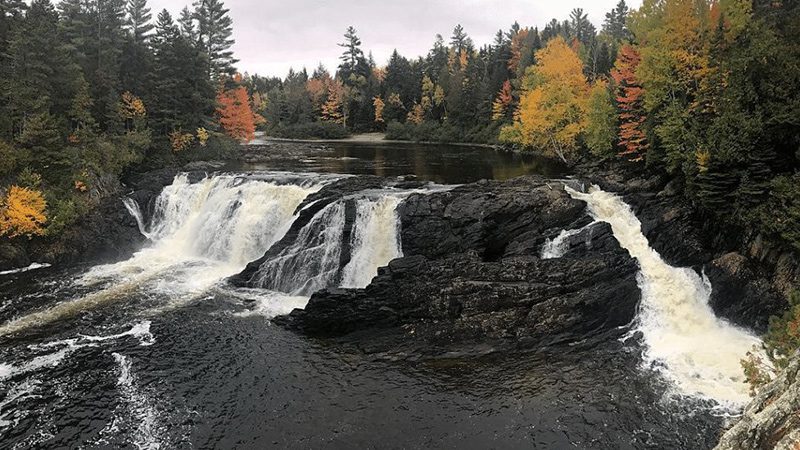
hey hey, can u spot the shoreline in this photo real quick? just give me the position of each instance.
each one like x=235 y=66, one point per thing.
x=366 y=138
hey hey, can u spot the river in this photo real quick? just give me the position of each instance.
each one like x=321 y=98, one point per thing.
x=158 y=351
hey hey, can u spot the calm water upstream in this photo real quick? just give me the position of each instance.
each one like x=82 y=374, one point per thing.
x=159 y=352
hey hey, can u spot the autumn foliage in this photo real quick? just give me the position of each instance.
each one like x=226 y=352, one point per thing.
x=502 y=104
x=235 y=114
x=552 y=111
x=22 y=213
x=632 y=138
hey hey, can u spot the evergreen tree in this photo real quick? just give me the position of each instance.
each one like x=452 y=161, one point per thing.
x=137 y=21
x=136 y=69
x=215 y=31
x=352 y=59
x=459 y=40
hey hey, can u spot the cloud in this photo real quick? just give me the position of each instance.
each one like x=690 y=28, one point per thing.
x=274 y=35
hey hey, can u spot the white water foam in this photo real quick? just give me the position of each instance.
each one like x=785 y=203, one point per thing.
x=699 y=353
x=33 y=266
x=202 y=233
x=141 y=411
x=556 y=247
x=140 y=331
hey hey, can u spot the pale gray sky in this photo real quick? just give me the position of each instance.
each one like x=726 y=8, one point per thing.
x=274 y=35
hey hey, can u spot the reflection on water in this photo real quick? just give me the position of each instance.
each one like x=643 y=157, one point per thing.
x=446 y=164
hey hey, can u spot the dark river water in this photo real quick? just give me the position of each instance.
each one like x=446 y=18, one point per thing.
x=431 y=162
x=161 y=353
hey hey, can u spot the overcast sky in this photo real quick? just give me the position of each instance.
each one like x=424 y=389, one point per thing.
x=274 y=35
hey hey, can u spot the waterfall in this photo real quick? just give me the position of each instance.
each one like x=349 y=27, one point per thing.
x=375 y=240
x=556 y=247
x=201 y=233
x=136 y=212
x=314 y=259
x=698 y=352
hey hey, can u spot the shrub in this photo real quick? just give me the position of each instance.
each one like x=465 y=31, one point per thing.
x=310 y=130
x=22 y=213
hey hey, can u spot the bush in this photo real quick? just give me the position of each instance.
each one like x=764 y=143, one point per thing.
x=442 y=132
x=783 y=336
x=311 y=130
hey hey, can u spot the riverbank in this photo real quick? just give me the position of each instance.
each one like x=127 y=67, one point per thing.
x=364 y=138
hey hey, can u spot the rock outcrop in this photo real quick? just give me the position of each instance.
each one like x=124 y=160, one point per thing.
x=772 y=419
x=471 y=280
x=741 y=294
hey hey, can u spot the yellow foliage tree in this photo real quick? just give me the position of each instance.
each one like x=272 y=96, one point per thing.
x=22 y=213
x=416 y=115
x=379 y=105
x=552 y=109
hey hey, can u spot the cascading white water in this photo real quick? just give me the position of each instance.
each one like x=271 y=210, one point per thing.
x=201 y=233
x=556 y=247
x=693 y=348
x=375 y=240
x=135 y=211
x=313 y=261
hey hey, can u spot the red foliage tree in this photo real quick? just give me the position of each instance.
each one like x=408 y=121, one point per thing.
x=629 y=98
x=235 y=114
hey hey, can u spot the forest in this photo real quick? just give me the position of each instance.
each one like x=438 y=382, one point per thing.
x=90 y=89
x=704 y=91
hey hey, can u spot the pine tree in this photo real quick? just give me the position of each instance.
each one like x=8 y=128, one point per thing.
x=136 y=68
x=137 y=21
x=187 y=25
x=215 y=30
x=352 y=59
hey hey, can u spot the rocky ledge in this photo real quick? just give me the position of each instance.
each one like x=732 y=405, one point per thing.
x=772 y=419
x=471 y=280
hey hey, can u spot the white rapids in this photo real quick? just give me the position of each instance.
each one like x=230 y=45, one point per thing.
x=698 y=352
x=201 y=233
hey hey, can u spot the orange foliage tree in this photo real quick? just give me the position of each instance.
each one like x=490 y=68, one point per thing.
x=629 y=98
x=22 y=213
x=379 y=105
x=502 y=104
x=235 y=114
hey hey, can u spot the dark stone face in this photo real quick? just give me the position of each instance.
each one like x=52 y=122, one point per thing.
x=470 y=280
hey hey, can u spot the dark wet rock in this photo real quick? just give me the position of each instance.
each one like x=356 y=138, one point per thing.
x=13 y=256
x=595 y=237
x=494 y=219
x=446 y=297
x=771 y=419
x=106 y=233
x=741 y=294
x=418 y=306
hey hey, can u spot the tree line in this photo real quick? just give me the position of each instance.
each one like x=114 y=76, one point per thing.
x=707 y=91
x=89 y=88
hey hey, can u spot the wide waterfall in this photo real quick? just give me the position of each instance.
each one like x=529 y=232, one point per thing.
x=204 y=232
x=693 y=348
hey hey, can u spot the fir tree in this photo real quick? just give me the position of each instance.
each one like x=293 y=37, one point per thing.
x=215 y=31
